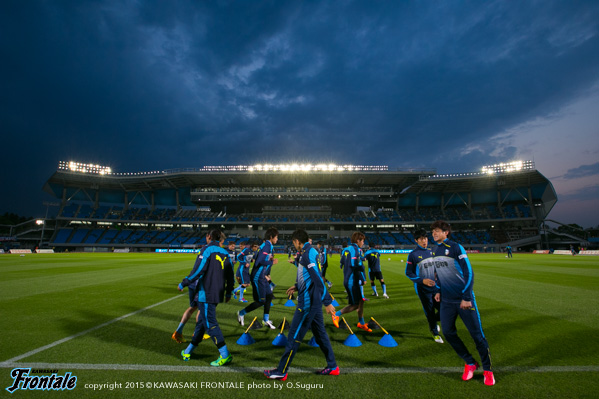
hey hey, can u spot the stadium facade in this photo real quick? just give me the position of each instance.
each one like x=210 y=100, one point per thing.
x=99 y=209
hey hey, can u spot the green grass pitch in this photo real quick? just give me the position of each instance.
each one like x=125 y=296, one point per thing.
x=539 y=313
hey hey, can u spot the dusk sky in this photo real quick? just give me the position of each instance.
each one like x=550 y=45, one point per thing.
x=152 y=85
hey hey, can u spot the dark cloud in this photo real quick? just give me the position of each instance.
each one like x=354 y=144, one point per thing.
x=158 y=85
x=587 y=193
x=583 y=171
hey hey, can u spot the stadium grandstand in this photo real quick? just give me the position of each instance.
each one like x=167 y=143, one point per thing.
x=102 y=210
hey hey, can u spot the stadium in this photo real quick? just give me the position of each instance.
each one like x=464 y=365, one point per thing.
x=99 y=299
x=101 y=210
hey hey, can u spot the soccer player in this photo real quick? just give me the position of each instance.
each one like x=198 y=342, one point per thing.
x=311 y=296
x=509 y=251
x=243 y=271
x=262 y=292
x=353 y=280
x=456 y=279
x=374 y=270
x=193 y=306
x=214 y=275
x=420 y=268
x=324 y=262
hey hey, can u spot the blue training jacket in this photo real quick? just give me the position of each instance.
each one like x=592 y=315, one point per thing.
x=454 y=272
x=311 y=290
x=353 y=268
x=214 y=274
x=421 y=265
x=374 y=260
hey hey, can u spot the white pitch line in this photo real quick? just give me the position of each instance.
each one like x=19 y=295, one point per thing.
x=61 y=341
x=349 y=370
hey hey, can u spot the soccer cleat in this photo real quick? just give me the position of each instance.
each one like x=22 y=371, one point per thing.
x=240 y=319
x=364 y=327
x=178 y=337
x=185 y=356
x=269 y=324
x=489 y=378
x=335 y=320
x=234 y=295
x=469 y=371
x=385 y=296
x=275 y=375
x=221 y=361
x=375 y=294
x=438 y=339
x=329 y=371
x=366 y=299
x=329 y=284
x=243 y=300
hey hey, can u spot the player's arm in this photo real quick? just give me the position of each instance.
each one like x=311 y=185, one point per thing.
x=199 y=272
x=411 y=269
x=468 y=275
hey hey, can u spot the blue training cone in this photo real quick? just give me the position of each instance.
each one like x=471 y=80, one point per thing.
x=290 y=303
x=245 y=339
x=313 y=343
x=388 y=341
x=280 y=340
x=352 y=341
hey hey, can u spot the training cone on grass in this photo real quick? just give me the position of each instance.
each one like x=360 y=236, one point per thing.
x=351 y=340
x=313 y=343
x=290 y=302
x=387 y=340
x=334 y=302
x=281 y=339
x=246 y=338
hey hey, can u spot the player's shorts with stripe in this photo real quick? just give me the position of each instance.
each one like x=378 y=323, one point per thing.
x=375 y=275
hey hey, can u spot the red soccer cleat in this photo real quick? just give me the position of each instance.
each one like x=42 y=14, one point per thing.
x=489 y=378
x=469 y=371
x=329 y=371
x=335 y=320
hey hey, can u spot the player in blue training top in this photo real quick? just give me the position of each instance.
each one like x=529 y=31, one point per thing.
x=193 y=306
x=243 y=271
x=420 y=268
x=311 y=296
x=353 y=280
x=262 y=292
x=374 y=270
x=324 y=262
x=214 y=275
x=509 y=251
x=455 y=277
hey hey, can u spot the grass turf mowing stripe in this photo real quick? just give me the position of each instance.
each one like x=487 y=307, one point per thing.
x=348 y=370
x=60 y=341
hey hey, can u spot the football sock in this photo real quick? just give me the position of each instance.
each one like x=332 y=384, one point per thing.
x=338 y=313
x=361 y=321
x=190 y=349
x=224 y=352
x=384 y=288
x=241 y=292
x=180 y=328
x=374 y=289
x=266 y=317
x=242 y=312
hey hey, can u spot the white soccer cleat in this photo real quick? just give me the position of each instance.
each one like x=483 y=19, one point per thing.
x=438 y=339
x=385 y=296
x=269 y=324
x=240 y=319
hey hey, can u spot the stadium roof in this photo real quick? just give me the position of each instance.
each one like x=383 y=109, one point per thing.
x=213 y=177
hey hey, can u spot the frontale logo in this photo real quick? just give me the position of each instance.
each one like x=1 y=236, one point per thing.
x=53 y=382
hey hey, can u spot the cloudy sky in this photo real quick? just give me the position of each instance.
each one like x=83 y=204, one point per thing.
x=451 y=85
